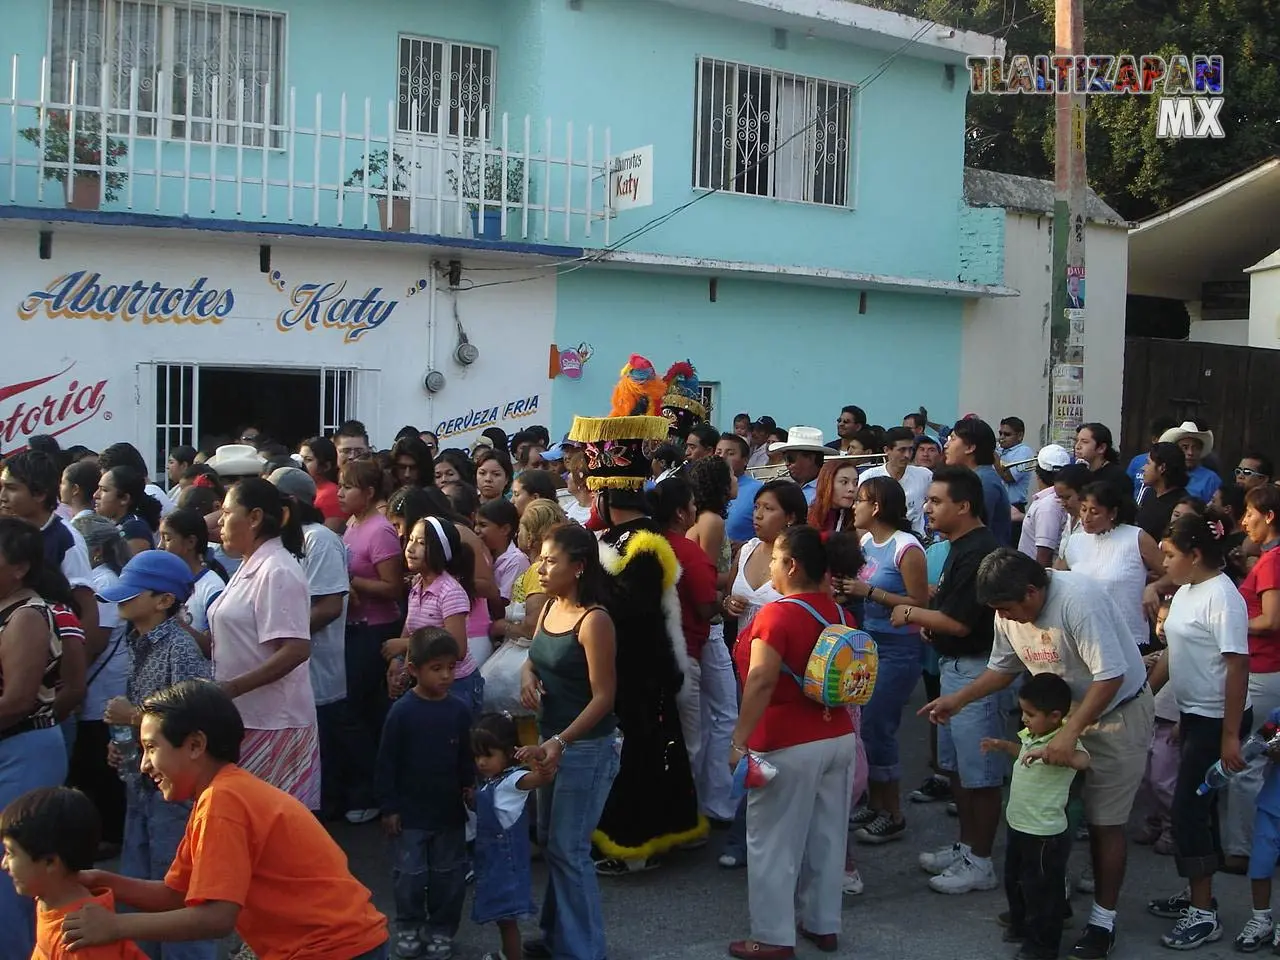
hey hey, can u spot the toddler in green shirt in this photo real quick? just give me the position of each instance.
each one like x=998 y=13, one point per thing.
x=1035 y=863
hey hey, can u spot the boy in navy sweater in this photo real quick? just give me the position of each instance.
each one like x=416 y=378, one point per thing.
x=425 y=766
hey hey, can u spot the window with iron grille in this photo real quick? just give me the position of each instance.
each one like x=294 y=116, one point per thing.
x=186 y=44
x=457 y=75
x=772 y=134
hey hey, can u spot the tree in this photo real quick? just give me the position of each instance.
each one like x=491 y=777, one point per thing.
x=1128 y=167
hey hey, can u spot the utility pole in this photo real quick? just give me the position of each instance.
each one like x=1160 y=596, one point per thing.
x=1067 y=305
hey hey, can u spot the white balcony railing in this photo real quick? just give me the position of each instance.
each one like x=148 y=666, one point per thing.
x=325 y=163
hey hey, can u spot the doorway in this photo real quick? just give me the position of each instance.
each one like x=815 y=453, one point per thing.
x=283 y=404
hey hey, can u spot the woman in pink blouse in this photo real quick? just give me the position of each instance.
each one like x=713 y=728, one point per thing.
x=260 y=631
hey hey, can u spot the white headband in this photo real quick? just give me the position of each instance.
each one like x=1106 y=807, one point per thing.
x=444 y=541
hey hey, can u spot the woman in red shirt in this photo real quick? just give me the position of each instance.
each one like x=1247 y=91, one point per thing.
x=1261 y=592
x=797 y=825
x=320 y=458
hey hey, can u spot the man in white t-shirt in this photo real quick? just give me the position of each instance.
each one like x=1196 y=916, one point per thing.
x=899 y=448
x=1067 y=624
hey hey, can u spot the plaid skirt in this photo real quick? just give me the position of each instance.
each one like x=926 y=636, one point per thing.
x=287 y=759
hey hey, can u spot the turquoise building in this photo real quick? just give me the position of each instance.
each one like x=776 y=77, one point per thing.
x=773 y=189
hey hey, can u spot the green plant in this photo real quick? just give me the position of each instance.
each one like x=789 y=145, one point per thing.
x=468 y=182
x=377 y=168
x=88 y=152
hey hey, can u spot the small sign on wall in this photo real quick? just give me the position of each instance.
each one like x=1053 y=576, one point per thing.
x=631 y=180
x=568 y=362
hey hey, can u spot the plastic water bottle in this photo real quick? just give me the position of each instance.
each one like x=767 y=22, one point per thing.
x=126 y=746
x=1254 y=747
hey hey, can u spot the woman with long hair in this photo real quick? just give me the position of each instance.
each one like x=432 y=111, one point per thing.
x=832 y=507
x=32 y=751
x=122 y=498
x=1165 y=478
x=894 y=572
x=453 y=466
x=79 y=484
x=320 y=460
x=570 y=679
x=797 y=827
x=494 y=474
x=260 y=629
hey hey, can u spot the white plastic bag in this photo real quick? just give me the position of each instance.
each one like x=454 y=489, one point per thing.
x=501 y=674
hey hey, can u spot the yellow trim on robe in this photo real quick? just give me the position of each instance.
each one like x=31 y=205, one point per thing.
x=650 y=848
x=646 y=541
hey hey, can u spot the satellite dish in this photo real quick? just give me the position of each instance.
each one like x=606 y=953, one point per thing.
x=467 y=353
x=434 y=381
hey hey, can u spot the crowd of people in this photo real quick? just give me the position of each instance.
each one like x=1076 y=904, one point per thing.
x=564 y=650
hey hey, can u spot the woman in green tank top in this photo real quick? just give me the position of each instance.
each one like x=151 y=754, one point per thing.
x=570 y=680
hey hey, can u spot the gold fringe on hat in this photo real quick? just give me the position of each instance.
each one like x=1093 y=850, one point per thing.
x=615 y=483
x=680 y=401
x=600 y=429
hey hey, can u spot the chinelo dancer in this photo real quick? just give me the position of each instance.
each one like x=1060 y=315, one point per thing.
x=652 y=808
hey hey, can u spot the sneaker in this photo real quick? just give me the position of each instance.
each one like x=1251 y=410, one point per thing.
x=1085 y=884
x=1094 y=944
x=1256 y=934
x=882 y=829
x=933 y=789
x=408 y=945
x=953 y=810
x=939 y=861
x=1165 y=845
x=1172 y=908
x=361 y=816
x=615 y=867
x=963 y=876
x=852 y=883
x=439 y=947
x=731 y=861
x=863 y=816
x=1194 y=929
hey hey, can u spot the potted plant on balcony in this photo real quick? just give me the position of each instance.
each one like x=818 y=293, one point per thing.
x=469 y=183
x=85 y=151
x=396 y=219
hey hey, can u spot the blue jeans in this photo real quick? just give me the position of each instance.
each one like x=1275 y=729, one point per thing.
x=153 y=828
x=960 y=738
x=470 y=690
x=429 y=877
x=900 y=661
x=572 y=915
x=28 y=761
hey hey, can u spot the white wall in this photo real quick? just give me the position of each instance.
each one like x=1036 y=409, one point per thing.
x=511 y=324
x=1234 y=332
x=1006 y=341
x=1264 y=303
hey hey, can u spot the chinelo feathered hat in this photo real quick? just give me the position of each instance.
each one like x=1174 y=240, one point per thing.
x=618 y=449
x=684 y=393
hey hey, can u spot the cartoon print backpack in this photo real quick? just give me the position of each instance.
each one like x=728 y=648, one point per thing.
x=842 y=669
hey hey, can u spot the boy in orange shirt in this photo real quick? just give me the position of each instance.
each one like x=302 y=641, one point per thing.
x=253 y=860
x=49 y=836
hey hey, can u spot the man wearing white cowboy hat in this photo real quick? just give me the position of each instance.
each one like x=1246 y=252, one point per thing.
x=235 y=461
x=1196 y=444
x=804 y=450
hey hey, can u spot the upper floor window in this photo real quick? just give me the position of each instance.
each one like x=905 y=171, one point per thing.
x=457 y=75
x=207 y=70
x=772 y=134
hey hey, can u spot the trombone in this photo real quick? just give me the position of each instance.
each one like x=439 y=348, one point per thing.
x=778 y=471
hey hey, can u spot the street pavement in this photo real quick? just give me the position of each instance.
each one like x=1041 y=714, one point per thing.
x=691 y=908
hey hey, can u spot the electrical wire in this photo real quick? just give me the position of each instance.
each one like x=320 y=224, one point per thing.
x=661 y=220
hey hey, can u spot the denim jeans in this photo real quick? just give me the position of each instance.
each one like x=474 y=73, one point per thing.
x=900 y=663
x=572 y=915
x=153 y=828
x=429 y=877
x=28 y=761
x=960 y=738
x=470 y=690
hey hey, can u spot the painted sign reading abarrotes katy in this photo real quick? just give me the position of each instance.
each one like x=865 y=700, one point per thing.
x=85 y=296
x=1190 y=88
x=631 y=180
x=322 y=305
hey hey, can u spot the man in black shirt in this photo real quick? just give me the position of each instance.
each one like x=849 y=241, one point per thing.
x=960 y=629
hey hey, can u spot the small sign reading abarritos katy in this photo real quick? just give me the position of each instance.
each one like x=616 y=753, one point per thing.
x=1190 y=88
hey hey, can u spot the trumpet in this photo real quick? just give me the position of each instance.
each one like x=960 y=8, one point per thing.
x=1022 y=466
x=778 y=471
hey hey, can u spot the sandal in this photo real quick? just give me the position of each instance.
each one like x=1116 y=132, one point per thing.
x=408 y=945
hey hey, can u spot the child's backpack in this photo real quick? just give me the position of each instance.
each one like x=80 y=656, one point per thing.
x=842 y=668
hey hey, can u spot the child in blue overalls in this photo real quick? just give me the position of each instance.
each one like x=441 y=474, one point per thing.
x=504 y=887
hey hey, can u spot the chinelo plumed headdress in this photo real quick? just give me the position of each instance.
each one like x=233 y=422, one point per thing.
x=639 y=391
x=683 y=391
x=617 y=449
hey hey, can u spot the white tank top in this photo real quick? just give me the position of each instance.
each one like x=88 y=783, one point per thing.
x=756 y=598
x=1114 y=560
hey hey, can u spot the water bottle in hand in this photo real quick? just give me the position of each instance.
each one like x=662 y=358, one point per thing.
x=126 y=746
x=1254 y=747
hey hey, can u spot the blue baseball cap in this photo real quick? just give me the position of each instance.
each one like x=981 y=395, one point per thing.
x=153 y=570
x=553 y=453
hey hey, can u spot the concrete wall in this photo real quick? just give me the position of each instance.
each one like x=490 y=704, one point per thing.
x=1006 y=341
x=982 y=244
x=797 y=353
x=1220 y=331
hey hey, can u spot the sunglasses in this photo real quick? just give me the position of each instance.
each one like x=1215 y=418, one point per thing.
x=1246 y=472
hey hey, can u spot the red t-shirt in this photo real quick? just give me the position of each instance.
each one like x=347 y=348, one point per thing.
x=697 y=585
x=327 y=500
x=791 y=718
x=1264 y=648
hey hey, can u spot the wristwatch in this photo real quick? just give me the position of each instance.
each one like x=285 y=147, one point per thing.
x=560 y=740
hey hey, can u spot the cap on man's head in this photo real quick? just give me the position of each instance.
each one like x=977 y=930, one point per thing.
x=154 y=570
x=1053 y=457
x=295 y=483
x=765 y=423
